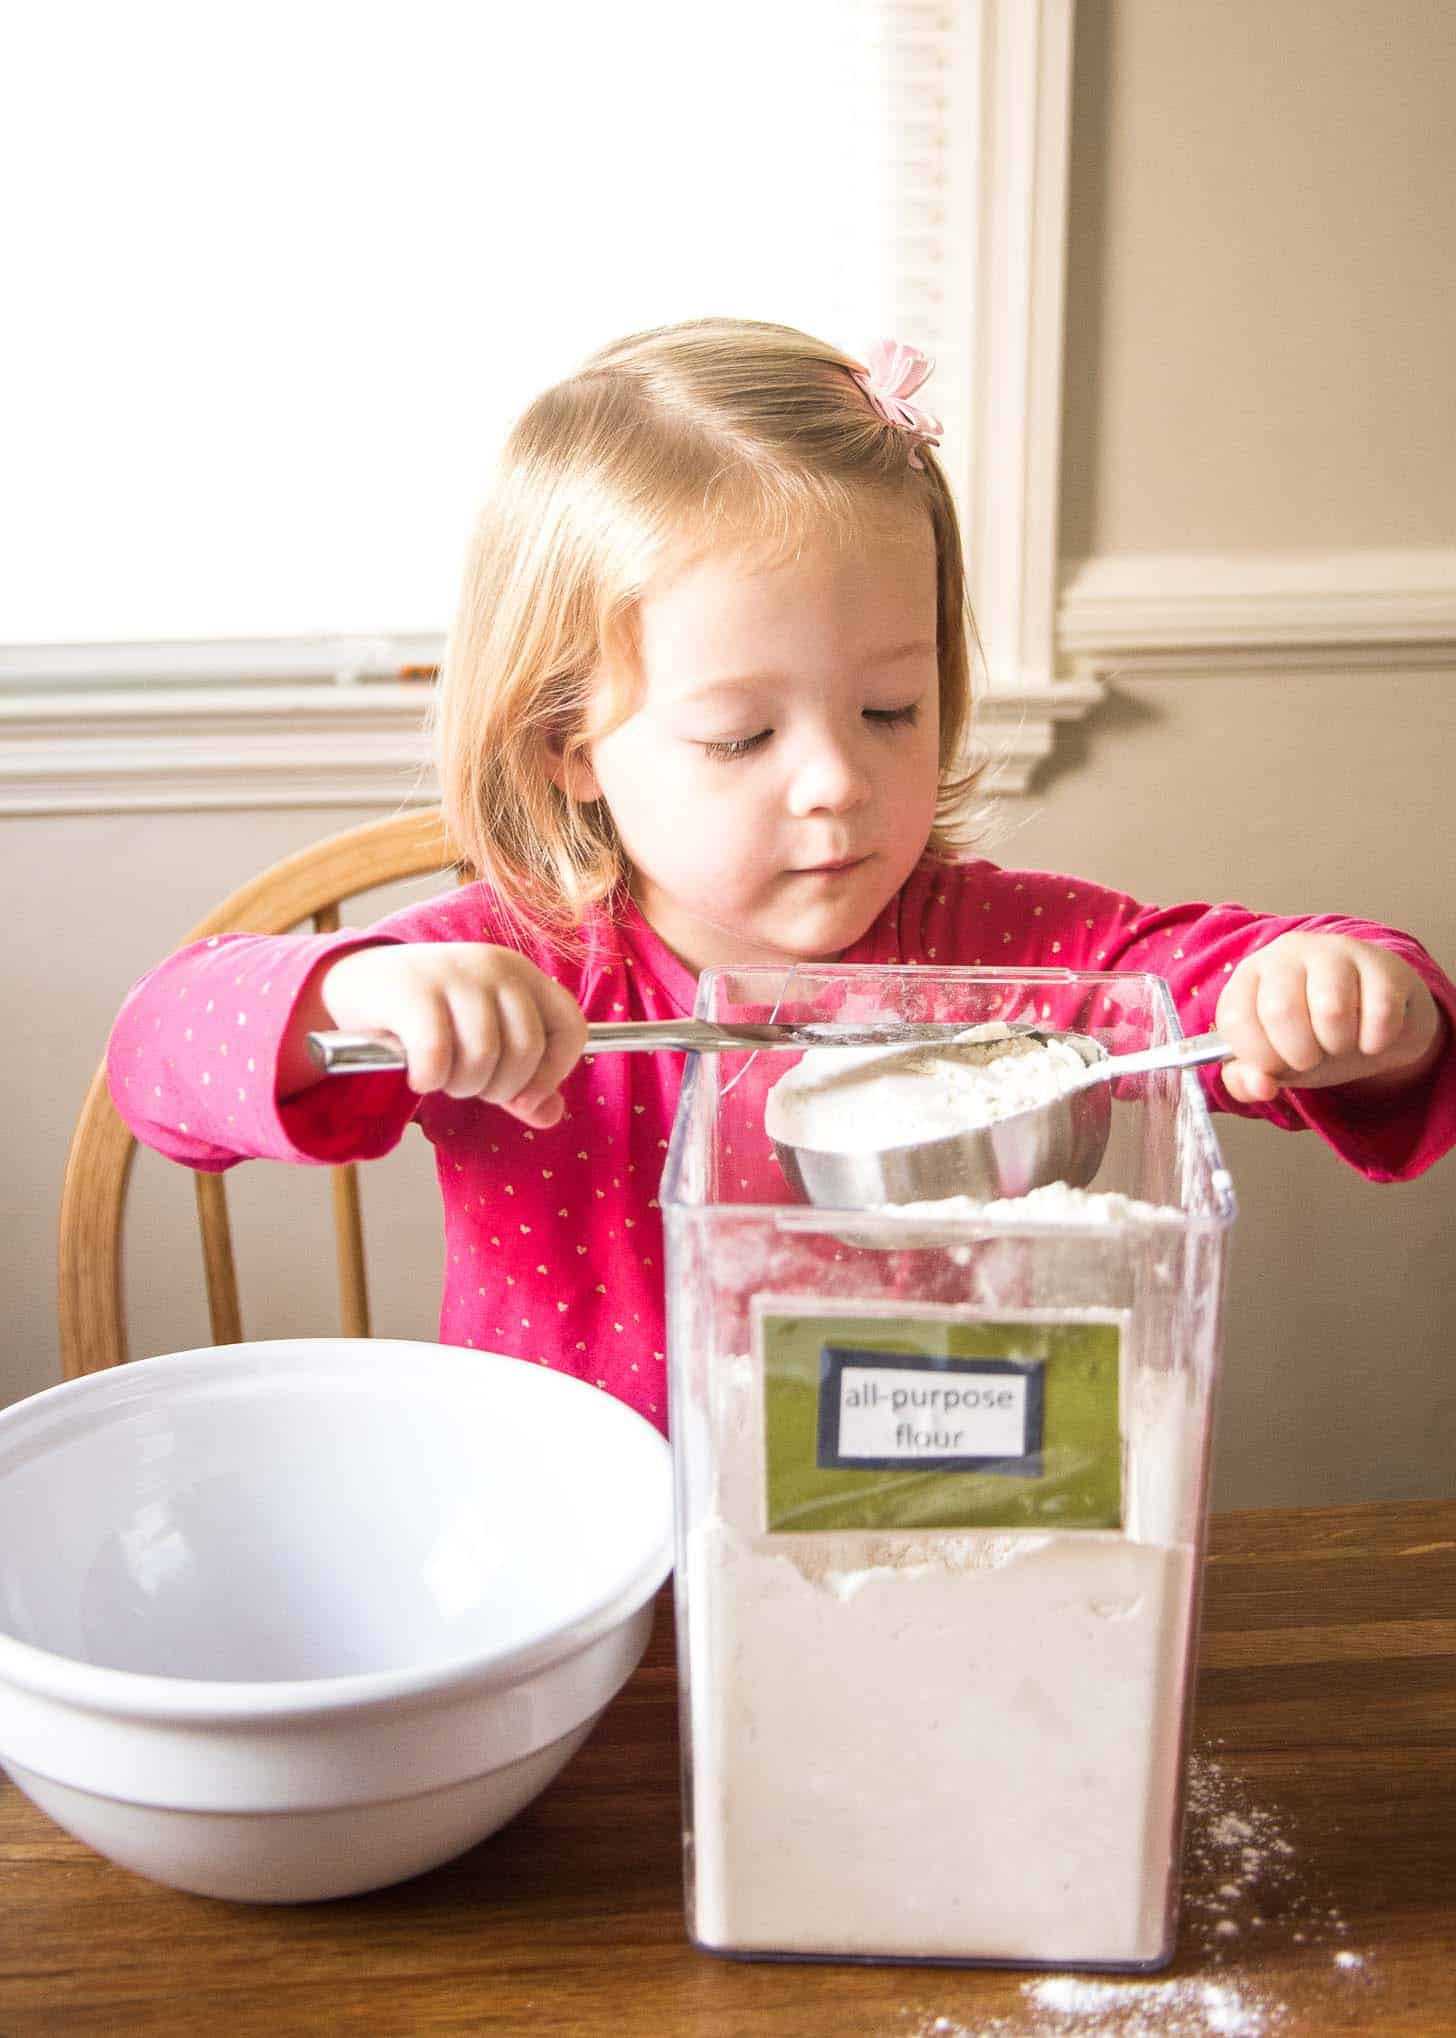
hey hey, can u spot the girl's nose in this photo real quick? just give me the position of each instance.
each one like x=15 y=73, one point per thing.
x=827 y=778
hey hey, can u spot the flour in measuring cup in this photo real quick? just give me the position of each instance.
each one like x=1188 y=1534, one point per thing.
x=866 y=1100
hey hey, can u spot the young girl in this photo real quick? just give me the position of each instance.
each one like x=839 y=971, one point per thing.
x=705 y=702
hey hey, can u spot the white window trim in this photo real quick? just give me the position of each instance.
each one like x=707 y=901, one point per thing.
x=107 y=728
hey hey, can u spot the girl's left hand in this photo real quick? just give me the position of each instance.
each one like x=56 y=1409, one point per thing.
x=1313 y=1010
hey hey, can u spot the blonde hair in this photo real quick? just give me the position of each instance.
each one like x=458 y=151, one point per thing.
x=683 y=437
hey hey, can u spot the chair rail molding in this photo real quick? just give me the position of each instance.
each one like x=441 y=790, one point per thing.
x=169 y=749
x=1270 y=611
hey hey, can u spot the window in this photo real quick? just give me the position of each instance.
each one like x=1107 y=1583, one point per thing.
x=289 y=270
x=285 y=274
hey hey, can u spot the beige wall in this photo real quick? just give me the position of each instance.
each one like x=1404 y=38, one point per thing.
x=1261 y=331
x=1262 y=276
x=1261 y=321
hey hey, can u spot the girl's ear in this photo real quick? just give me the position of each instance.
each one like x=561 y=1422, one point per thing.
x=572 y=771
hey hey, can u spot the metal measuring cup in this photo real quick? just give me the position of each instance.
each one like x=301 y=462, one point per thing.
x=1061 y=1140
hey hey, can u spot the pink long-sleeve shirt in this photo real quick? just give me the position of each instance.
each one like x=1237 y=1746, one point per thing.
x=554 y=1249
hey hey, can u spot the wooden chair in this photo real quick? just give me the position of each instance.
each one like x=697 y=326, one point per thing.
x=310 y=886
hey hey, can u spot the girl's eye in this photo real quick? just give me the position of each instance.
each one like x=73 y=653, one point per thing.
x=881 y=718
x=739 y=746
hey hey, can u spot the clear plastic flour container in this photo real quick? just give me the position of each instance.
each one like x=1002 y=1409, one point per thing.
x=941 y=1512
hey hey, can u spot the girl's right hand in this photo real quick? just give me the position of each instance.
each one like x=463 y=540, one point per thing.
x=473 y=1020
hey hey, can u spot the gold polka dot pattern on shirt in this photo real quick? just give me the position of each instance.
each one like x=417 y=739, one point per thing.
x=577 y=1254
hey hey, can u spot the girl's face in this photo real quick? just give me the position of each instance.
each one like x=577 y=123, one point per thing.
x=776 y=781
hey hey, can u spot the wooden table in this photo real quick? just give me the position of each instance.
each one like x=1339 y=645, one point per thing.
x=1319 y=1895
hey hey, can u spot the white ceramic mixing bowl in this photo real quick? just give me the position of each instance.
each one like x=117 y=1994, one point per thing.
x=292 y=1620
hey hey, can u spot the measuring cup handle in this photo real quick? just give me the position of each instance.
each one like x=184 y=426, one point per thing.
x=342 y=1054
x=1174 y=1054
x=1201 y=1048
x=631 y=1036
x=347 y=1054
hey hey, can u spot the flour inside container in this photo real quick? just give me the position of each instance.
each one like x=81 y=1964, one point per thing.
x=921 y=1745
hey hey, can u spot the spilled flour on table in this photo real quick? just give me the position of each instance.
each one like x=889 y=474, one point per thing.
x=1058 y=2003
x=1243 y=1893
x=1154 y=2007
x=1241 y=1874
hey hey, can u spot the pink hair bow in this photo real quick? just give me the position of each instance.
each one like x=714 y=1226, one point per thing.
x=894 y=373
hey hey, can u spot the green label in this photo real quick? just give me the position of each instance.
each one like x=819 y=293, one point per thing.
x=910 y=1421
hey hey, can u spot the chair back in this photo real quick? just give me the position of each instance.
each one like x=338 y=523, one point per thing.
x=308 y=887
